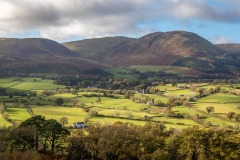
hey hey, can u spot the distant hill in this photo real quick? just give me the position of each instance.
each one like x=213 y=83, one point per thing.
x=230 y=47
x=153 y=49
x=97 y=48
x=37 y=52
x=232 y=50
x=33 y=48
x=176 y=48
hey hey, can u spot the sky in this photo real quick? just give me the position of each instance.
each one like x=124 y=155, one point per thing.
x=67 y=20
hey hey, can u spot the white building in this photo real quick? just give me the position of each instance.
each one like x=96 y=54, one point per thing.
x=79 y=125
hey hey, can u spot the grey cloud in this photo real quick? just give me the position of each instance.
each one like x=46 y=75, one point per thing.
x=60 y=19
x=227 y=11
x=32 y=14
x=77 y=10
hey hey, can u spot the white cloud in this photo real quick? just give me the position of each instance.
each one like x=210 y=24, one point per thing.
x=221 y=39
x=62 y=19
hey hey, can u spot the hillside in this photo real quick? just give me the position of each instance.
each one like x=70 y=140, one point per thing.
x=232 y=50
x=97 y=48
x=153 y=49
x=176 y=48
x=230 y=47
x=34 y=53
x=33 y=48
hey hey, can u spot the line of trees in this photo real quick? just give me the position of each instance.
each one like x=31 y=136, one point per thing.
x=37 y=138
x=39 y=134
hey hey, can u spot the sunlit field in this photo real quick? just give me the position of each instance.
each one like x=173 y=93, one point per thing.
x=95 y=108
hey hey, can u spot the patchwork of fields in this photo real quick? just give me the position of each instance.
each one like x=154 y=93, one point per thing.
x=95 y=107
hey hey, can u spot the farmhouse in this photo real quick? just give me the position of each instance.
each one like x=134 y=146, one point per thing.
x=79 y=125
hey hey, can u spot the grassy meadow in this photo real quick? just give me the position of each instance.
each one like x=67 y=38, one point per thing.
x=28 y=84
x=53 y=112
x=221 y=98
x=18 y=114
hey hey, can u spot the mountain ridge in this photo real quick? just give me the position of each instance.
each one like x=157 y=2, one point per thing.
x=30 y=53
x=158 y=48
x=175 y=48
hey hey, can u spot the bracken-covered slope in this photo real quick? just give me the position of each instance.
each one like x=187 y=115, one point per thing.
x=153 y=49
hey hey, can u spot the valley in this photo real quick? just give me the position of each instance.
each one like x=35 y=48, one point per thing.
x=178 y=105
x=120 y=80
x=166 y=95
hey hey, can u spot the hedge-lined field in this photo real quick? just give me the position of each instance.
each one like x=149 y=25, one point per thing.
x=110 y=108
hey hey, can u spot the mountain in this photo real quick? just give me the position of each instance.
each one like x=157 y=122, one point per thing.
x=34 y=53
x=153 y=49
x=97 y=48
x=230 y=47
x=176 y=48
x=232 y=50
x=33 y=48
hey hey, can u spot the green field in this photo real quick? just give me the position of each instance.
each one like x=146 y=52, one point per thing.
x=124 y=113
x=9 y=84
x=28 y=84
x=220 y=122
x=110 y=103
x=181 y=109
x=18 y=114
x=119 y=72
x=181 y=92
x=63 y=95
x=7 y=80
x=89 y=93
x=4 y=123
x=125 y=72
x=53 y=112
x=106 y=121
x=218 y=107
x=187 y=122
x=167 y=69
x=117 y=108
x=49 y=112
x=220 y=98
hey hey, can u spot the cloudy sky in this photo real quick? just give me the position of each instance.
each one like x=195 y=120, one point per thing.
x=67 y=20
